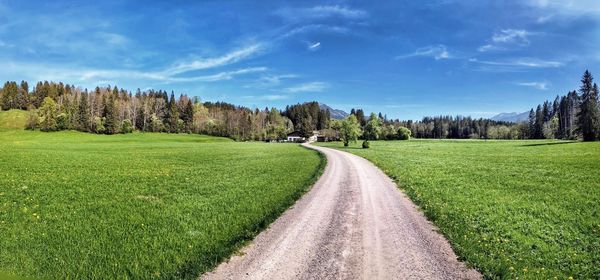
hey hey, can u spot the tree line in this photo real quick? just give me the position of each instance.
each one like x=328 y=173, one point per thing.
x=109 y=110
x=575 y=115
x=571 y=116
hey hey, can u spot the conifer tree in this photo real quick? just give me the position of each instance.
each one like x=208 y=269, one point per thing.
x=83 y=113
x=109 y=114
x=588 y=116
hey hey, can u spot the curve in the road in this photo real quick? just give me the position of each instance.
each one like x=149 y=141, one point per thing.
x=353 y=224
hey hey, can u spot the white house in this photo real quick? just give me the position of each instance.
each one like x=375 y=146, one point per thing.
x=295 y=136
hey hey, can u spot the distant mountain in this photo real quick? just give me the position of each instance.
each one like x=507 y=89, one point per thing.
x=511 y=117
x=335 y=113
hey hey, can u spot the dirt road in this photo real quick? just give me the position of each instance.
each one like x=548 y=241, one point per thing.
x=353 y=224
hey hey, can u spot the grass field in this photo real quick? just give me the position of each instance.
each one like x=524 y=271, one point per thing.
x=512 y=209
x=83 y=206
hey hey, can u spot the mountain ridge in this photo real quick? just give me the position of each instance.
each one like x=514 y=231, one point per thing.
x=511 y=117
x=334 y=113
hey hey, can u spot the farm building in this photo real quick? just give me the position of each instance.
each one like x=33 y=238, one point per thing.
x=295 y=136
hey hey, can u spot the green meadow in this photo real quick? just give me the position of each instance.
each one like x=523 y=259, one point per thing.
x=83 y=206
x=512 y=209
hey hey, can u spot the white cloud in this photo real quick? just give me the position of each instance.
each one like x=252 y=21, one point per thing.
x=537 y=85
x=308 y=87
x=511 y=36
x=567 y=7
x=486 y=48
x=518 y=64
x=269 y=97
x=507 y=38
x=213 y=62
x=316 y=28
x=327 y=11
x=436 y=51
x=320 y=12
x=91 y=76
x=270 y=80
x=314 y=47
x=273 y=97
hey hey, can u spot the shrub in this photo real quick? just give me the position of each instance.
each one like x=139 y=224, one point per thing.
x=156 y=124
x=126 y=127
x=403 y=133
x=62 y=121
x=98 y=125
x=365 y=144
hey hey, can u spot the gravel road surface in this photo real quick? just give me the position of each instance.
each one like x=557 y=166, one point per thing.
x=353 y=224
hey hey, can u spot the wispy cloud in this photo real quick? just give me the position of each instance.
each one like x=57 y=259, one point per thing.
x=320 y=12
x=507 y=38
x=308 y=87
x=273 y=97
x=537 y=85
x=321 y=28
x=511 y=36
x=436 y=51
x=567 y=7
x=522 y=62
x=314 y=47
x=325 y=11
x=88 y=76
x=206 y=63
x=268 y=97
x=515 y=65
x=269 y=81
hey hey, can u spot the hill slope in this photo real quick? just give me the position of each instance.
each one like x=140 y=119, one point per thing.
x=13 y=119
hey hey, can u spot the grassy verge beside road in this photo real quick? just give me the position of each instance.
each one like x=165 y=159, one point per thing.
x=526 y=209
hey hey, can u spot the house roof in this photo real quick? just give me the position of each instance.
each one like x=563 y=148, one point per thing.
x=295 y=134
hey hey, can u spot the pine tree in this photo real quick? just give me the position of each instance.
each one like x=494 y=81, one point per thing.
x=531 y=130
x=22 y=96
x=83 y=113
x=188 y=116
x=588 y=116
x=539 y=123
x=172 y=115
x=109 y=114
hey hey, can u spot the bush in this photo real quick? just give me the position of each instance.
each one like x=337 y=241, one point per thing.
x=62 y=121
x=365 y=144
x=403 y=133
x=98 y=125
x=156 y=124
x=126 y=127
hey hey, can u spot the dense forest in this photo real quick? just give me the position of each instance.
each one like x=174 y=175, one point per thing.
x=109 y=110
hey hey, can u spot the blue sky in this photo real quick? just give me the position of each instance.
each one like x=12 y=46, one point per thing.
x=406 y=59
